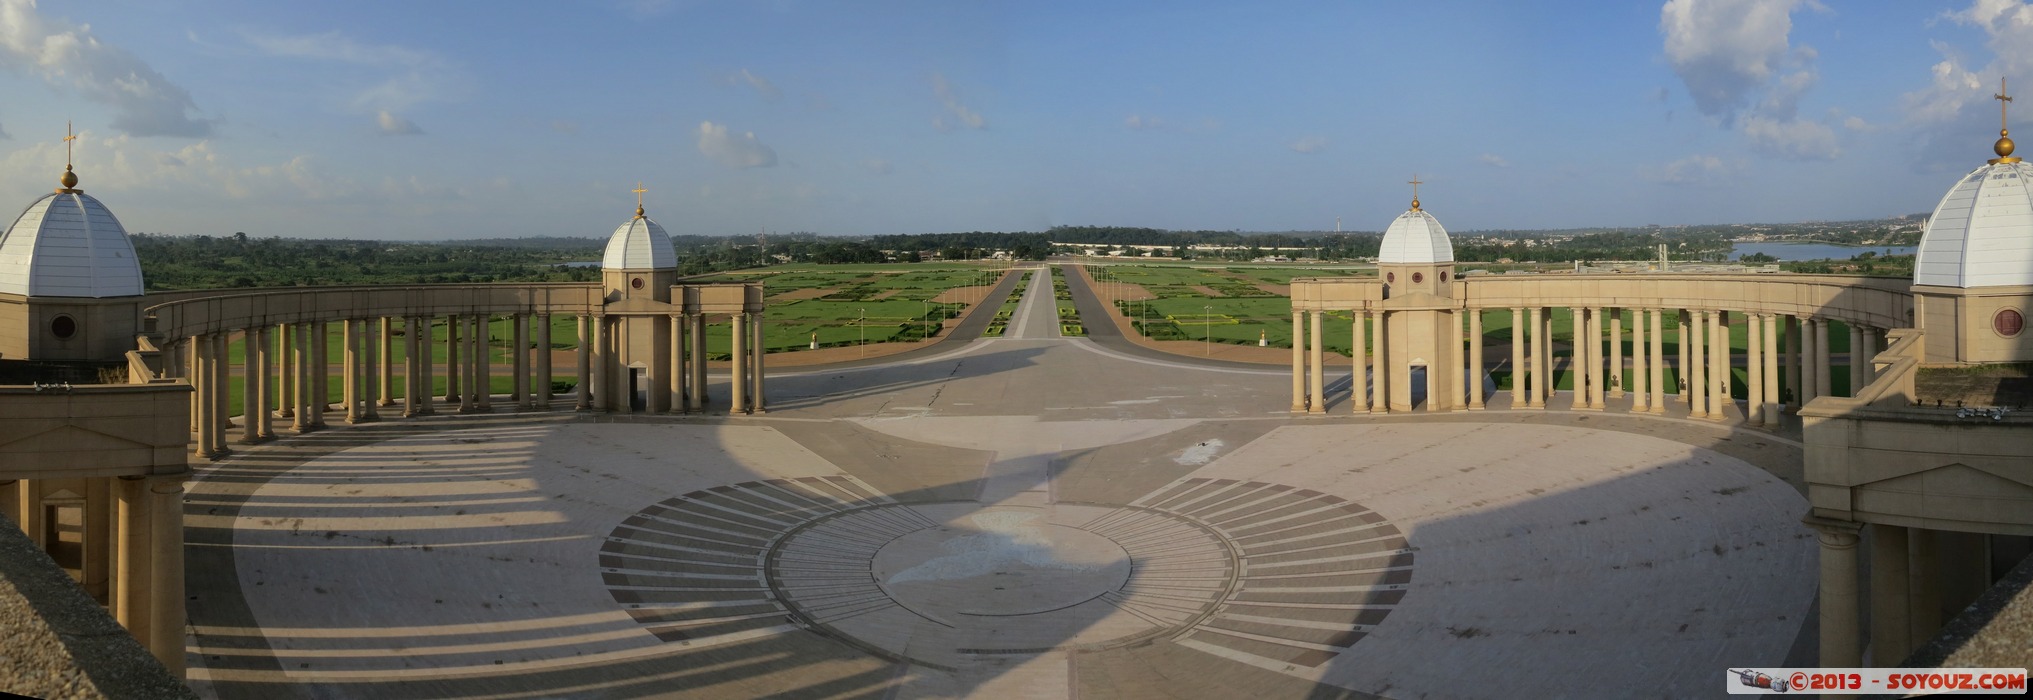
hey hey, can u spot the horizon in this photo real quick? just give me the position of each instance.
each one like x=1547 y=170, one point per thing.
x=366 y=122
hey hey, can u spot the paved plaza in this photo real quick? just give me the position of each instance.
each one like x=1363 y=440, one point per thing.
x=1029 y=516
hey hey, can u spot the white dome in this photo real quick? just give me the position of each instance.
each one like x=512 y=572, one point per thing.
x=1981 y=235
x=1416 y=237
x=639 y=244
x=68 y=245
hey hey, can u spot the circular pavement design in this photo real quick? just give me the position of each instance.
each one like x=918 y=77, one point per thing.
x=1286 y=575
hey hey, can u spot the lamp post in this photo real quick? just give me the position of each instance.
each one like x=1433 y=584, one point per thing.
x=862 y=326
x=1207 y=320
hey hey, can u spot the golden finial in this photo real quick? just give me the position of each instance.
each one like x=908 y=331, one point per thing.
x=2004 y=146
x=1415 y=191
x=69 y=179
x=638 y=198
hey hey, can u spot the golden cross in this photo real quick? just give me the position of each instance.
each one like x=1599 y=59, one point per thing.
x=2004 y=100
x=638 y=194
x=68 y=138
x=1415 y=183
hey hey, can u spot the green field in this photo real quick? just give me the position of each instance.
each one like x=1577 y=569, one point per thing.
x=873 y=303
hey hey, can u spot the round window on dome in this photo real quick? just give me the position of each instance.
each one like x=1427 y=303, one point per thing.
x=2008 y=322
x=63 y=327
x=1391 y=277
x=1443 y=276
x=1418 y=277
x=635 y=283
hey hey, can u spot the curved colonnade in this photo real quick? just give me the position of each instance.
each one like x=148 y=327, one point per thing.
x=1795 y=308
x=633 y=355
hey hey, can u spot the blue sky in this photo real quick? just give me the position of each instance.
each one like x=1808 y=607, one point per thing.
x=435 y=120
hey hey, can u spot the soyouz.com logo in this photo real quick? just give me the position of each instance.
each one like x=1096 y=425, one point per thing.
x=1815 y=681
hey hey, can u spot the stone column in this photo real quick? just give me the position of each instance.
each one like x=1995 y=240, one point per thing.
x=1754 y=372
x=263 y=342
x=131 y=575
x=410 y=380
x=1641 y=396
x=1599 y=372
x=1316 y=393
x=1298 y=361
x=285 y=375
x=678 y=363
x=350 y=367
x=1821 y=373
x=1771 y=370
x=1858 y=377
x=253 y=384
x=385 y=362
x=739 y=377
x=699 y=397
x=543 y=362
x=1696 y=366
x=166 y=572
x=201 y=389
x=1537 y=390
x=1519 y=370
x=1873 y=339
x=1657 y=351
x=1458 y=370
x=1545 y=335
x=1475 y=373
x=518 y=360
x=1380 y=364
x=427 y=384
x=300 y=377
x=483 y=363
x=1358 y=382
x=755 y=395
x=1796 y=370
x=321 y=372
x=1587 y=371
x=1923 y=585
x=1839 y=617
x=1684 y=371
x=584 y=389
x=455 y=374
x=1616 y=353
x=1891 y=638
x=1577 y=356
x=374 y=362
x=1718 y=361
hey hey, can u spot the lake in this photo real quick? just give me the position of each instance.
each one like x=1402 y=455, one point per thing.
x=1813 y=251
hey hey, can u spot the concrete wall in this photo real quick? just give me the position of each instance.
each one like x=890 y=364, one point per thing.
x=94 y=431
x=1875 y=458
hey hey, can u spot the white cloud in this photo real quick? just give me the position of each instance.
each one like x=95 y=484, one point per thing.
x=761 y=84
x=1725 y=51
x=957 y=114
x=1953 y=118
x=144 y=102
x=878 y=166
x=1692 y=170
x=1797 y=139
x=1310 y=144
x=396 y=126
x=388 y=77
x=1858 y=124
x=737 y=151
x=1495 y=161
x=1139 y=122
x=1737 y=62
